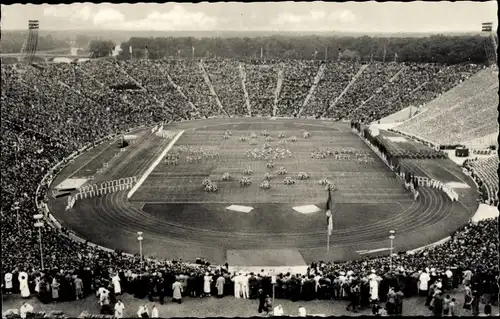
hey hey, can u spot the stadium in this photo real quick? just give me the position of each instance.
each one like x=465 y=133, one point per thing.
x=300 y=173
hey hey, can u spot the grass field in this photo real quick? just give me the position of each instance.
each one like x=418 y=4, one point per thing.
x=181 y=220
x=183 y=183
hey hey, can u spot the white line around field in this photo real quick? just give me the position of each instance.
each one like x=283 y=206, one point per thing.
x=364 y=252
x=153 y=166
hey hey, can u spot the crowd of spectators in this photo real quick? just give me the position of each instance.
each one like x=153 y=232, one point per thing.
x=225 y=76
x=464 y=113
x=297 y=81
x=50 y=111
x=484 y=172
x=261 y=82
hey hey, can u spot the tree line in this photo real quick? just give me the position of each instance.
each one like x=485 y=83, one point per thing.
x=432 y=49
x=12 y=42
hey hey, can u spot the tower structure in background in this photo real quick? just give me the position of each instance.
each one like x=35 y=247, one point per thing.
x=490 y=42
x=30 y=43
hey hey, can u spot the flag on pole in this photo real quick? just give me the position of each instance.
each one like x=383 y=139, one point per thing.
x=130 y=49
x=192 y=48
x=329 y=222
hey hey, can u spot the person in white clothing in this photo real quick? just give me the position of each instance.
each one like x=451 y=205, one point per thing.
x=25 y=309
x=23 y=284
x=207 y=281
x=245 y=287
x=143 y=312
x=423 y=283
x=116 y=284
x=101 y=291
x=302 y=311
x=237 y=286
x=278 y=310
x=154 y=312
x=373 y=281
x=8 y=283
x=119 y=308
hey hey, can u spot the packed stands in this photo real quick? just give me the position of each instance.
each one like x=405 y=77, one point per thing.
x=261 y=81
x=464 y=113
x=298 y=79
x=188 y=75
x=484 y=170
x=227 y=82
x=49 y=111
x=334 y=80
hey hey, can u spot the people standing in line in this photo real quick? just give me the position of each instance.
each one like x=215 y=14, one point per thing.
x=177 y=291
x=119 y=309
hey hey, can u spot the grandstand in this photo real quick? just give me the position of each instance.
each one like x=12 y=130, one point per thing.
x=52 y=112
x=464 y=113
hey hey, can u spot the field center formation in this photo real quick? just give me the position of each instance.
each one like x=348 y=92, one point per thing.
x=182 y=165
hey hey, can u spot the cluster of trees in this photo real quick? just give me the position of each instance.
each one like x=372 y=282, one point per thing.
x=433 y=49
x=100 y=49
x=12 y=42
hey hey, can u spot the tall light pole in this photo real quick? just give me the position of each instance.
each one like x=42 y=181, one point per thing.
x=140 y=239
x=39 y=225
x=391 y=237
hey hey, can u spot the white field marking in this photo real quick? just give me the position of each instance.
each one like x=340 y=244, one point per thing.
x=306 y=209
x=239 y=208
x=364 y=252
x=153 y=165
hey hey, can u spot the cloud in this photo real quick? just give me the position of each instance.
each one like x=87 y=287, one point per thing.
x=312 y=20
x=108 y=17
x=68 y=12
x=176 y=19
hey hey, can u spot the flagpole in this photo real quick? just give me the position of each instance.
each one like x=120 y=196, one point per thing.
x=327 y=240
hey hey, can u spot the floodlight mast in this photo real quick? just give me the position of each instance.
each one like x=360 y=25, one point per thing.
x=490 y=44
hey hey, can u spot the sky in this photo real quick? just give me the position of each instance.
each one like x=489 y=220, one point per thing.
x=418 y=16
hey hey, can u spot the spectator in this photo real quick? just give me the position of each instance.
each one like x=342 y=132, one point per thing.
x=177 y=292
x=143 y=311
x=154 y=312
x=25 y=309
x=119 y=309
